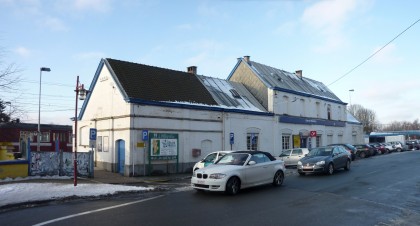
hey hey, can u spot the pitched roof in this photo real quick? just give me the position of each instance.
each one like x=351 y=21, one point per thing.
x=278 y=79
x=231 y=94
x=151 y=83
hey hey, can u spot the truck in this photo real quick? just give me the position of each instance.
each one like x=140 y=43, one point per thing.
x=396 y=140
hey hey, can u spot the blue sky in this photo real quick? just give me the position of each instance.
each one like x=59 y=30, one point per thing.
x=326 y=39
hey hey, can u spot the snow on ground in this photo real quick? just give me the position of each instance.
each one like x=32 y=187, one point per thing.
x=14 y=193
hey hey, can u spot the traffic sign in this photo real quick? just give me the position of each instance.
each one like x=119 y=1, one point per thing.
x=145 y=135
x=232 y=138
x=312 y=133
x=92 y=134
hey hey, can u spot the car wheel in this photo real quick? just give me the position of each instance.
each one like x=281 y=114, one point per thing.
x=232 y=186
x=347 y=167
x=362 y=155
x=330 y=169
x=398 y=149
x=278 y=178
x=302 y=174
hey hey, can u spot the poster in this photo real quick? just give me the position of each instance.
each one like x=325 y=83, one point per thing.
x=163 y=146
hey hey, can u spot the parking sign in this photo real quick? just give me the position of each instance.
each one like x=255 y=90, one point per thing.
x=92 y=134
x=145 y=135
x=232 y=138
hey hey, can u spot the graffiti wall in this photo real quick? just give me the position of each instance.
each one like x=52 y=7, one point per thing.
x=60 y=164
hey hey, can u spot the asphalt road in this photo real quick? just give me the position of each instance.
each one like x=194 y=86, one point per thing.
x=383 y=190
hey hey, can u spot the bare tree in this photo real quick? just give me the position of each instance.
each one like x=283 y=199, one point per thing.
x=403 y=125
x=9 y=79
x=365 y=116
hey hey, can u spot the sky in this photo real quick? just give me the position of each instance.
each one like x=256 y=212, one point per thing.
x=369 y=46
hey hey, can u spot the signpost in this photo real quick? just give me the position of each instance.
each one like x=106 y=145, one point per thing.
x=145 y=138
x=231 y=139
x=312 y=133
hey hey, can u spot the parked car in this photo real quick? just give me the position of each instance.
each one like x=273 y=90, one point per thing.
x=364 y=150
x=350 y=148
x=238 y=170
x=398 y=146
x=389 y=147
x=292 y=156
x=380 y=147
x=210 y=159
x=413 y=144
x=324 y=159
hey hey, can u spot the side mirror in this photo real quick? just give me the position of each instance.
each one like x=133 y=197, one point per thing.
x=251 y=163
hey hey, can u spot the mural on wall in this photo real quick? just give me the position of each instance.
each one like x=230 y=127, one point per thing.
x=53 y=163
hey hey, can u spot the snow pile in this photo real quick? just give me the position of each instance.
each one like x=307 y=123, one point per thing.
x=14 y=193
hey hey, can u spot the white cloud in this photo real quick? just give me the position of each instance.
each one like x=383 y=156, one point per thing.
x=326 y=19
x=22 y=51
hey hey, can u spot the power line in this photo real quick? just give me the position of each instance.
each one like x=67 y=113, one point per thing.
x=48 y=83
x=376 y=52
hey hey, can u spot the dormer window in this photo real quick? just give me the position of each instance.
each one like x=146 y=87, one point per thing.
x=235 y=93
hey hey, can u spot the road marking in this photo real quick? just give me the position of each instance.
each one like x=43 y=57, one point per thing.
x=94 y=211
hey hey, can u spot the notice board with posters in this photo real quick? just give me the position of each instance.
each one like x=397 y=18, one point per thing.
x=163 y=146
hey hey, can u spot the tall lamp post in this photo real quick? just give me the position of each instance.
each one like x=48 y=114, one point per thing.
x=350 y=90
x=80 y=94
x=39 y=106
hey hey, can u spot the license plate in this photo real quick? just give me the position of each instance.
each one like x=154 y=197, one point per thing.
x=200 y=182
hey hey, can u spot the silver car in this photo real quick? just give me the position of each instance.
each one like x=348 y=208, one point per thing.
x=292 y=156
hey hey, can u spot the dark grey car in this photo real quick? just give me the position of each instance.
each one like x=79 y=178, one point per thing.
x=324 y=160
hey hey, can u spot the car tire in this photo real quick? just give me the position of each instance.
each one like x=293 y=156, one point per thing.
x=362 y=155
x=232 y=186
x=347 y=166
x=278 y=178
x=330 y=169
x=302 y=174
x=399 y=150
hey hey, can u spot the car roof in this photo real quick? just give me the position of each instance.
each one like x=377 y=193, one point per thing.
x=257 y=152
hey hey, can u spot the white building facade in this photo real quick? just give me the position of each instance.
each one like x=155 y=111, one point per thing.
x=140 y=131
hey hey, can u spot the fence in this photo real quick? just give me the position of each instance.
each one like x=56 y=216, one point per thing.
x=60 y=164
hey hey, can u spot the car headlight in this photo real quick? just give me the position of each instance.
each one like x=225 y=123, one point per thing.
x=217 y=176
x=320 y=163
x=299 y=163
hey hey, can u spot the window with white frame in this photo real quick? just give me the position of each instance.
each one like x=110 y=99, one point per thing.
x=105 y=144
x=99 y=146
x=329 y=139
x=45 y=137
x=329 y=117
x=252 y=141
x=285 y=141
x=318 y=141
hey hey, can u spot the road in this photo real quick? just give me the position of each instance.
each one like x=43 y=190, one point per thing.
x=382 y=190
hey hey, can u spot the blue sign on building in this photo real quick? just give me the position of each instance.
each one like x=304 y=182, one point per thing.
x=145 y=135
x=232 y=138
x=92 y=134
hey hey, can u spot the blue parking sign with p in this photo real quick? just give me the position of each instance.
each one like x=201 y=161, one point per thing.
x=145 y=135
x=232 y=138
x=92 y=134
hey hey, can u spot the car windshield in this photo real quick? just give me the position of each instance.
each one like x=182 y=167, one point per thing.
x=285 y=153
x=326 y=151
x=233 y=159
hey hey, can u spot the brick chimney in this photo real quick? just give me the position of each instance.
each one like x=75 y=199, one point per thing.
x=192 y=70
x=299 y=74
x=246 y=58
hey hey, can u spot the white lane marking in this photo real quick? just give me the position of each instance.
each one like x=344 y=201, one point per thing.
x=94 y=211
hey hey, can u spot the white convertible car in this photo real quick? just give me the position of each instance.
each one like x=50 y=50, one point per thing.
x=237 y=170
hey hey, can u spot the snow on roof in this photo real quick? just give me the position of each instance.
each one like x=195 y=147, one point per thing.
x=231 y=95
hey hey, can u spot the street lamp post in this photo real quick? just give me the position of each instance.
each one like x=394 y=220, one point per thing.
x=350 y=90
x=39 y=106
x=81 y=93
